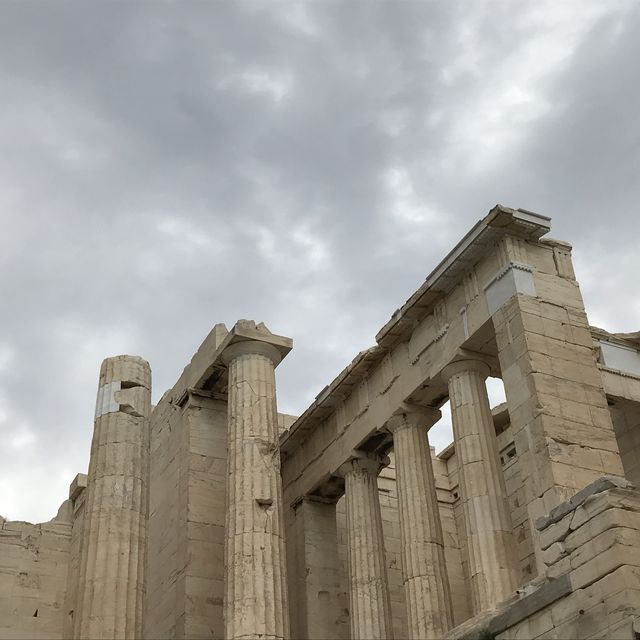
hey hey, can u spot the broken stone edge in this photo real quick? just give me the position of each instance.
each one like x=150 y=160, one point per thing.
x=597 y=486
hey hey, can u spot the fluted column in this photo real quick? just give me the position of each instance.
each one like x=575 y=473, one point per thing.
x=111 y=585
x=426 y=583
x=490 y=542
x=255 y=604
x=370 y=609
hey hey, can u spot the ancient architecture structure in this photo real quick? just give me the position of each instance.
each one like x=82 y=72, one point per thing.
x=211 y=515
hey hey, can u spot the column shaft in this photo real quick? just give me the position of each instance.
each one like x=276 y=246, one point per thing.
x=490 y=542
x=111 y=585
x=256 y=593
x=370 y=609
x=426 y=583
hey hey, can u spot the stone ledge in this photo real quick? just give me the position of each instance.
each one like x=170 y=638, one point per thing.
x=597 y=486
x=490 y=623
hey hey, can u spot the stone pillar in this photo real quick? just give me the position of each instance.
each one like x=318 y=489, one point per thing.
x=490 y=541
x=560 y=418
x=255 y=604
x=370 y=608
x=111 y=588
x=426 y=583
x=317 y=597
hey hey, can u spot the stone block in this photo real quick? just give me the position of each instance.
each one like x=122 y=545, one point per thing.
x=553 y=553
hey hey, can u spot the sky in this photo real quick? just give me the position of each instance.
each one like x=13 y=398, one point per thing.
x=168 y=166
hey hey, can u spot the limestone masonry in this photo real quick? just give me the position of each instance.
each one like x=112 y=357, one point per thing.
x=211 y=515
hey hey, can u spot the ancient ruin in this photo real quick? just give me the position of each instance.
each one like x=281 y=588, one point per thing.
x=211 y=515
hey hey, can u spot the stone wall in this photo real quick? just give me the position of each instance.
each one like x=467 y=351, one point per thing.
x=591 y=586
x=557 y=405
x=164 y=600
x=77 y=496
x=33 y=576
x=626 y=422
x=186 y=519
x=205 y=423
x=185 y=556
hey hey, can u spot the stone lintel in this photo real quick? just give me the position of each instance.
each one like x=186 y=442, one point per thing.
x=499 y=222
x=554 y=242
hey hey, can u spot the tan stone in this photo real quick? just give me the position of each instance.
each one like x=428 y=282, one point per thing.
x=370 y=610
x=454 y=535
x=490 y=542
x=256 y=603
x=111 y=575
x=426 y=583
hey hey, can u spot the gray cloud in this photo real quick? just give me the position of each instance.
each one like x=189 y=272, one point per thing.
x=167 y=166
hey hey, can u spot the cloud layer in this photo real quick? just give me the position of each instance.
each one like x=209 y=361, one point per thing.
x=167 y=166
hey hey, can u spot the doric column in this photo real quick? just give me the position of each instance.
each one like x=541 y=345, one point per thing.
x=370 y=609
x=490 y=542
x=255 y=603
x=111 y=585
x=426 y=583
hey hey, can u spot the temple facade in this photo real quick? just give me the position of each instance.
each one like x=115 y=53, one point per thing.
x=211 y=515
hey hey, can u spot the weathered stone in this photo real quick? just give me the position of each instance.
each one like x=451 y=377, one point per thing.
x=490 y=542
x=370 y=610
x=111 y=574
x=256 y=603
x=426 y=582
x=178 y=530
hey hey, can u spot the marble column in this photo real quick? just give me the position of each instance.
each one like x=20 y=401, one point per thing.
x=370 y=610
x=255 y=603
x=490 y=541
x=111 y=583
x=426 y=583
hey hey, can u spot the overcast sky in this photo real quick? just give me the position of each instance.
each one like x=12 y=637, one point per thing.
x=167 y=166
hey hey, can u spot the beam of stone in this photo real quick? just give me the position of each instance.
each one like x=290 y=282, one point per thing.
x=111 y=585
x=370 y=609
x=490 y=541
x=426 y=583
x=255 y=603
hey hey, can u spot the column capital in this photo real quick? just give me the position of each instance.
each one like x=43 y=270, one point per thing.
x=247 y=338
x=361 y=460
x=251 y=347
x=468 y=365
x=414 y=416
